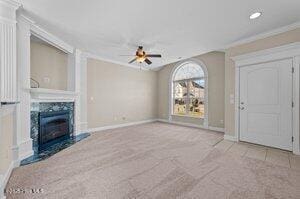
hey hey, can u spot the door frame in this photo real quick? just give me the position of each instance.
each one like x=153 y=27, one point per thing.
x=289 y=51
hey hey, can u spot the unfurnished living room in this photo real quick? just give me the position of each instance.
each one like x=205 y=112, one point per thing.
x=106 y=99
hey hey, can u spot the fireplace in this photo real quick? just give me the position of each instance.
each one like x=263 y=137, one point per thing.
x=53 y=127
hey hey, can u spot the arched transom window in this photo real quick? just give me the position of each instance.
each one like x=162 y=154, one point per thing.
x=189 y=90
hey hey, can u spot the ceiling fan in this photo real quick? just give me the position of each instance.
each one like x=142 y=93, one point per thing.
x=141 y=56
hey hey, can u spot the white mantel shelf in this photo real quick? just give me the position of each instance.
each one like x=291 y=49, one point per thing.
x=50 y=95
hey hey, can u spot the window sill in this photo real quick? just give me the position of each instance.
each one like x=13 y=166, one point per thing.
x=189 y=116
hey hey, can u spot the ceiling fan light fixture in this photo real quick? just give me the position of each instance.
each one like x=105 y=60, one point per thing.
x=255 y=15
x=141 y=59
x=141 y=56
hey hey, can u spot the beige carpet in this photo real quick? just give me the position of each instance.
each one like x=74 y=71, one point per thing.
x=153 y=160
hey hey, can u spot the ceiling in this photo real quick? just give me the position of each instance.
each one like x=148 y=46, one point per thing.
x=174 y=28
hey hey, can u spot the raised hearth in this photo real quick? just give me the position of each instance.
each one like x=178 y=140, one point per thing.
x=52 y=129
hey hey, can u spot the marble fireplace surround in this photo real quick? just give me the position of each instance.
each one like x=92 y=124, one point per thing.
x=46 y=107
x=49 y=101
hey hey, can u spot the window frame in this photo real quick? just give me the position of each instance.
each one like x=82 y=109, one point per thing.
x=172 y=91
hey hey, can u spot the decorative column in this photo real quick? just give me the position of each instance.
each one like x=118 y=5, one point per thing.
x=8 y=78
x=77 y=56
x=83 y=92
x=76 y=82
x=24 y=141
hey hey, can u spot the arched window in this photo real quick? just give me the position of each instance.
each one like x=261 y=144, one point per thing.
x=189 y=90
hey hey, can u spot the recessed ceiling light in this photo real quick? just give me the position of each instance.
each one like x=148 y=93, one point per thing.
x=255 y=15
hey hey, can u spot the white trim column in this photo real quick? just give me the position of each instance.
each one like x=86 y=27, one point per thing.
x=8 y=78
x=77 y=57
x=83 y=93
x=24 y=141
x=77 y=82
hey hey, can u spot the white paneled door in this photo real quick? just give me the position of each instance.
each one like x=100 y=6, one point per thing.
x=266 y=104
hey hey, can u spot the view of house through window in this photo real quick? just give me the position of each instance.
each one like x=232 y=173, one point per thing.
x=189 y=90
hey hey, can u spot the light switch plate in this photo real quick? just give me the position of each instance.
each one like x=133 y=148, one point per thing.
x=231 y=99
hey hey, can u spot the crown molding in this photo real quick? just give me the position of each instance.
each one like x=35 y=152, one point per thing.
x=276 y=53
x=97 y=57
x=44 y=35
x=23 y=18
x=264 y=35
x=51 y=39
x=11 y=3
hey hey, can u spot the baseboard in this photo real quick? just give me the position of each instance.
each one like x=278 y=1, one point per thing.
x=213 y=128
x=25 y=149
x=181 y=123
x=83 y=126
x=26 y=155
x=296 y=152
x=119 y=125
x=163 y=120
x=5 y=178
x=230 y=138
x=19 y=153
x=192 y=125
x=15 y=152
x=154 y=120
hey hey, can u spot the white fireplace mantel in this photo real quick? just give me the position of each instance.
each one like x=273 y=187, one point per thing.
x=50 y=95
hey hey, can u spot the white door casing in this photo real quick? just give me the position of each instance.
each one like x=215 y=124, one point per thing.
x=288 y=51
x=266 y=104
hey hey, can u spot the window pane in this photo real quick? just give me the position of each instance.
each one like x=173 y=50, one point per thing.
x=180 y=89
x=196 y=107
x=196 y=88
x=180 y=106
x=189 y=70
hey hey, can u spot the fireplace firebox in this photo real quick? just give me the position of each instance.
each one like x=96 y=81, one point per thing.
x=53 y=127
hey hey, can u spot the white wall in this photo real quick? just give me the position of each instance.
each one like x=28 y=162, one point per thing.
x=49 y=63
x=117 y=94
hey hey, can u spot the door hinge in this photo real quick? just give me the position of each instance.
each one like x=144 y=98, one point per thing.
x=292 y=138
x=293 y=69
x=292 y=104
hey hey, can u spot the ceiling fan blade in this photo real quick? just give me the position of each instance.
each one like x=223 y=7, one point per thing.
x=153 y=55
x=148 y=61
x=132 y=60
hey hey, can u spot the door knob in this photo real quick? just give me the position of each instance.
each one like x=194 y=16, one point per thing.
x=242 y=108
